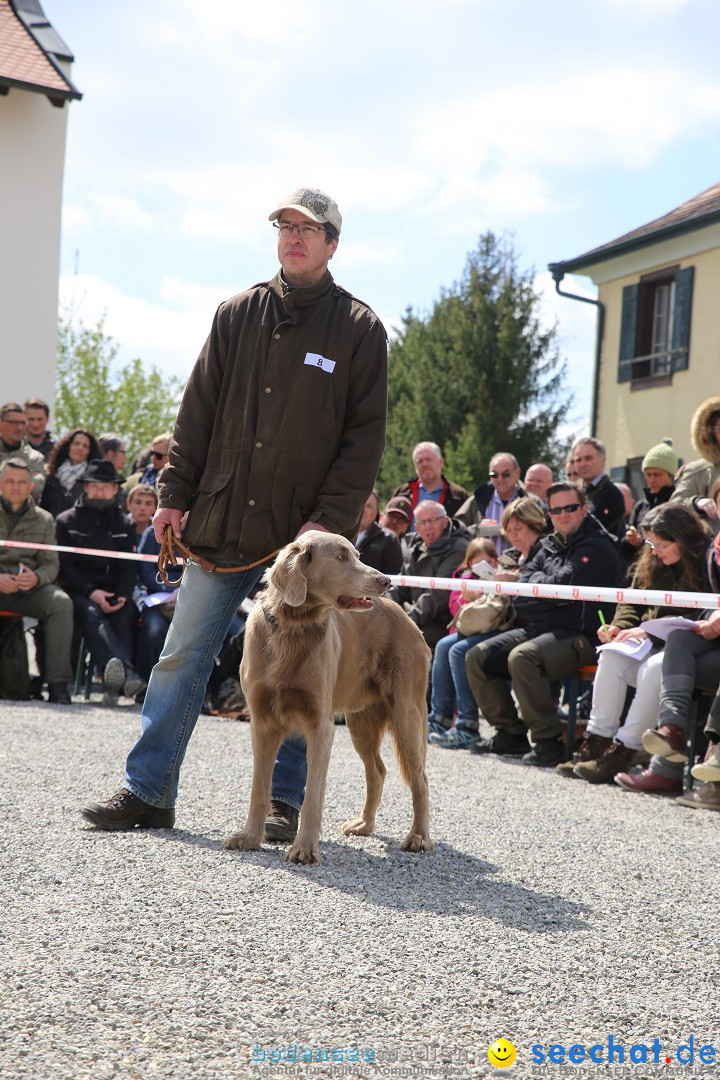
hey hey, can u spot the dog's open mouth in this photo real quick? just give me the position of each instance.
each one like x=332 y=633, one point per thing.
x=348 y=602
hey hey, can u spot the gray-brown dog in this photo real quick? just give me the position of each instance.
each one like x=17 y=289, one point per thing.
x=323 y=640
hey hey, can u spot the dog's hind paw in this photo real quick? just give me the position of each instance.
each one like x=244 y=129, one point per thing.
x=416 y=842
x=304 y=855
x=358 y=827
x=242 y=841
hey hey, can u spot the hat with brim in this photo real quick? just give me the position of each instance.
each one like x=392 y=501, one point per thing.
x=312 y=202
x=399 y=505
x=102 y=471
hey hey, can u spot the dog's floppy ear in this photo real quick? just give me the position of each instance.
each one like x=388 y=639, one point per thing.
x=288 y=575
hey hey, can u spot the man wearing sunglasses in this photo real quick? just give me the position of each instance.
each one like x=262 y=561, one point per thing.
x=281 y=431
x=486 y=505
x=552 y=639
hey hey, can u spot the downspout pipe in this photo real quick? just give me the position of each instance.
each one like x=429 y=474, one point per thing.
x=558 y=274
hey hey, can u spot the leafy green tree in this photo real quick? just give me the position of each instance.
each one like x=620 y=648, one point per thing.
x=132 y=400
x=478 y=375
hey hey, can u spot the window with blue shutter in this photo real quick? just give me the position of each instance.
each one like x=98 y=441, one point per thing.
x=655 y=327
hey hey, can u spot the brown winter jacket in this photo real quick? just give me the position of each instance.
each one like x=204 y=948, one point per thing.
x=695 y=479
x=267 y=436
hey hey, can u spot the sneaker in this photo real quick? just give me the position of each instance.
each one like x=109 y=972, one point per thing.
x=705 y=797
x=502 y=742
x=709 y=769
x=590 y=749
x=457 y=738
x=438 y=727
x=133 y=684
x=649 y=782
x=125 y=812
x=546 y=752
x=669 y=741
x=114 y=675
x=615 y=759
x=281 y=823
x=58 y=693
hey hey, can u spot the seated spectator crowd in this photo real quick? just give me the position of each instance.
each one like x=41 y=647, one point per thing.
x=505 y=662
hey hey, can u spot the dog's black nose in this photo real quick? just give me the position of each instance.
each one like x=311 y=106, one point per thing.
x=385 y=582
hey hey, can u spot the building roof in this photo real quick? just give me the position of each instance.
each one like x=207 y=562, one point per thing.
x=696 y=213
x=31 y=52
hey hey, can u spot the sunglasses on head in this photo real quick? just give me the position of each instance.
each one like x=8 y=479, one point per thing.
x=569 y=508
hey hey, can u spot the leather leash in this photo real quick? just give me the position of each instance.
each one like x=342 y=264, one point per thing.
x=167 y=558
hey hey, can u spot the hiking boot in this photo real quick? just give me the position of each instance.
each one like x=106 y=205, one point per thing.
x=709 y=769
x=125 y=812
x=281 y=824
x=649 y=782
x=133 y=684
x=114 y=675
x=58 y=693
x=502 y=742
x=457 y=738
x=616 y=758
x=590 y=749
x=705 y=797
x=669 y=741
x=438 y=727
x=546 y=752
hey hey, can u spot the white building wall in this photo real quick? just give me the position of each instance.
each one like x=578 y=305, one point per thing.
x=32 y=153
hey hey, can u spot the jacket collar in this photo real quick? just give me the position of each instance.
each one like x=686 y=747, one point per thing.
x=294 y=299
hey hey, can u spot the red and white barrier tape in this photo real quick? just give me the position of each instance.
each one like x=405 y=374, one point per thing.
x=595 y=594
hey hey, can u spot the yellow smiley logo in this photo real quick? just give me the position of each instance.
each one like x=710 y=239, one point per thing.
x=501 y=1053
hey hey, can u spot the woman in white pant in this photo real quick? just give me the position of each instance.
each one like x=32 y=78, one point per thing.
x=671 y=561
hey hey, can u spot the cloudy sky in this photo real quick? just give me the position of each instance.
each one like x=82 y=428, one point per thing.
x=562 y=125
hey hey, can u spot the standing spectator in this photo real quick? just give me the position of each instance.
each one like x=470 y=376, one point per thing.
x=378 y=547
x=537 y=480
x=66 y=470
x=430 y=482
x=142 y=501
x=605 y=500
x=693 y=482
x=570 y=470
x=101 y=589
x=27 y=576
x=436 y=551
x=485 y=507
x=37 y=414
x=13 y=425
x=112 y=447
x=158 y=456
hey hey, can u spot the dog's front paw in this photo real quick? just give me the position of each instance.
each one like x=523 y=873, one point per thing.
x=242 y=841
x=415 y=842
x=358 y=827
x=304 y=854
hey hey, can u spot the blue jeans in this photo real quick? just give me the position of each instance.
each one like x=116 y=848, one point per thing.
x=449 y=683
x=206 y=606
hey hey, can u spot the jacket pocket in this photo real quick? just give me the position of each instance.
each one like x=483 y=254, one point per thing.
x=205 y=524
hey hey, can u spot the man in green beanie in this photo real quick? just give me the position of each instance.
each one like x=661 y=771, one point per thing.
x=659 y=467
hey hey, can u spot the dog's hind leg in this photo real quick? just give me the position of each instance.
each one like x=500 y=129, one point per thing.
x=266 y=737
x=319 y=736
x=366 y=731
x=409 y=731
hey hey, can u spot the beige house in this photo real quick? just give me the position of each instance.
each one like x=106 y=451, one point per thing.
x=35 y=88
x=658 y=337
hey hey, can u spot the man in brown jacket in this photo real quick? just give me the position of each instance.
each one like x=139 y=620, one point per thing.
x=281 y=430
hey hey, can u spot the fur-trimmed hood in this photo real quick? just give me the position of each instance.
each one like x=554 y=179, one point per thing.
x=703 y=439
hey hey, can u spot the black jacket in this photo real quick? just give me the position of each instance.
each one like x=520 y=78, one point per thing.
x=105 y=530
x=590 y=557
x=607 y=503
x=381 y=549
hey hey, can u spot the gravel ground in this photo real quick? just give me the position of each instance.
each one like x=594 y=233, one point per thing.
x=552 y=912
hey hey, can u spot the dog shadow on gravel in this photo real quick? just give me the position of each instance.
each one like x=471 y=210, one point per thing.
x=448 y=882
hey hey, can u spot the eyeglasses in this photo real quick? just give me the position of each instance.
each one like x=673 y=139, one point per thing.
x=505 y=475
x=305 y=231
x=15 y=423
x=157 y=454
x=660 y=547
x=570 y=508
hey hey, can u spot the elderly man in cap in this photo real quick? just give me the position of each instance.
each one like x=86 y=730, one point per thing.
x=281 y=430
x=101 y=588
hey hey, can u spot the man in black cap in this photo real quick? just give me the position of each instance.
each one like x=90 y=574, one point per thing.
x=101 y=589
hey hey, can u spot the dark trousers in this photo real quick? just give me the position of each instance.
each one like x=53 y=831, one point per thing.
x=106 y=635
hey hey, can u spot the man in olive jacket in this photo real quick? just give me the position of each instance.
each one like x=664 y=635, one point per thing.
x=281 y=430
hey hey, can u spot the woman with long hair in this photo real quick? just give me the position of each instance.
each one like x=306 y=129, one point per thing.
x=523 y=524
x=66 y=468
x=671 y=561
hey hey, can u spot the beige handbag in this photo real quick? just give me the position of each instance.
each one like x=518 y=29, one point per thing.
x=482 y=616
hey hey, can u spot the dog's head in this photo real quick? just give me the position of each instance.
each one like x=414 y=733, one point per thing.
x=323 y=569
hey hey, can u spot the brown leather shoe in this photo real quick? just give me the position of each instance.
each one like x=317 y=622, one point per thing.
x=649 y=782
x=281 y=824
x=704 y=797
x=590 y=749
x=125 y=812
x=669 y=741
x=614 y=760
